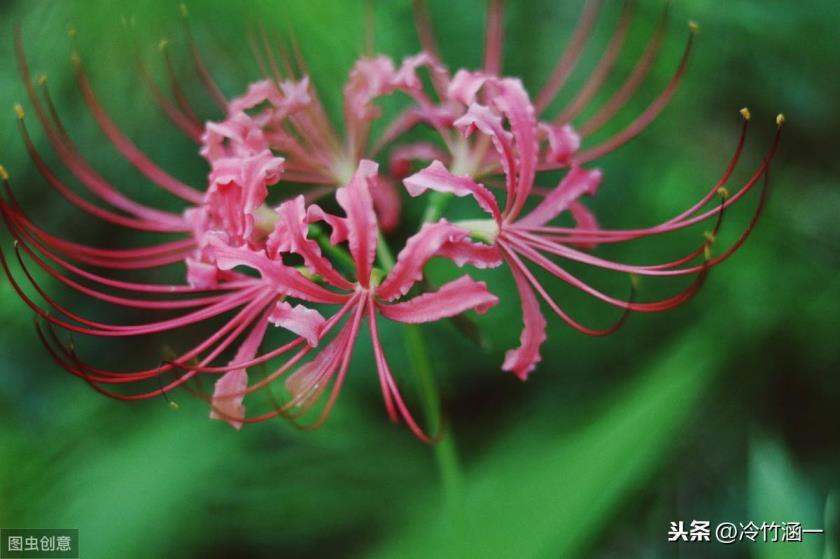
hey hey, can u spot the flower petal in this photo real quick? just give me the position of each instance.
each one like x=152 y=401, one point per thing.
x=229 y=390
x=357 y=203
x=421 y=247
x=387 y=203
x=522 y=360
x=282 y=278
x=306 y=323
x=563 y=142
x=451 y=299
x=437 y=177
x=576 y=183
x=290 y=235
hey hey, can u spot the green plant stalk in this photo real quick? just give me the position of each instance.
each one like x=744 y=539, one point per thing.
x=446 y=454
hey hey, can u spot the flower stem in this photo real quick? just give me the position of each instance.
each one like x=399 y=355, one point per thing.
x=436 y=206
x=446 y=454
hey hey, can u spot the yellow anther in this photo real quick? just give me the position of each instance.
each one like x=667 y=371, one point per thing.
x=709 y=236
x=745 y=112
x=162 y=44
x=173 y=405
x=184 y=11
x=635 y=281
x=707 y=252
x=75 y=58
x=19 y=111
x=72 y=32
x=3 y=173
x=693 y=26
x=780 y=119
x=42 y=80
x=723 y=192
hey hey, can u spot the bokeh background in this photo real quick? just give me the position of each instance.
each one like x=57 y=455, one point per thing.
x=725 y=409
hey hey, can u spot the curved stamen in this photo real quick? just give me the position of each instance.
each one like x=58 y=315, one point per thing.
x=570 y=57
x=128 y=149
x=200 y=68
x=648 y=116
x=517 y=267
x=632 y=83
x=604 y=67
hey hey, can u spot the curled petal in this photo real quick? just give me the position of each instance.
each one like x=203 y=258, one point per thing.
x=464 y=251
x=229 y=390
x=451 y=299
x=522 y=360
x=375 y=77
x=563 y=142
x=357 y=203
x=228 y=394
x=403 y=156
x=290 y=235
x=238 y=136
x=258 y=93
x=201 y=274
x=285 y=98
x=437 y=177
x=340 y=230
x=307 y=383
x=576 y=183
x=283 y=279
x=421 y=247
x=306 y=323
x=465 y=85
x=584 y=219
x=387 y=203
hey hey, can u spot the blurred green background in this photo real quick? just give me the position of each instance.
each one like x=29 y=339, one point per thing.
x=723 y=410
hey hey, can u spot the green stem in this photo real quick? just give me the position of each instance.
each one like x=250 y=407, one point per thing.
x=446 y=454
x=335 y=251
x=436 y=206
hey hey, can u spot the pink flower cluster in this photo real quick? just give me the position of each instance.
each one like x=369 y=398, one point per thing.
x=317 y=264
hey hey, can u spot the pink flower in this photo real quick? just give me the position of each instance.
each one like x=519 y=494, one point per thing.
x=365 y=297
x=519 y=235
x=560 y=137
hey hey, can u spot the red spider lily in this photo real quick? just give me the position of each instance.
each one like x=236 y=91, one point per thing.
x=232 y=214
x=367 y=295
x=558 y=137
x=519 y=234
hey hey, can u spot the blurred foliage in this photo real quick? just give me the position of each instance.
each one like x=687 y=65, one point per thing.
x=725 y=409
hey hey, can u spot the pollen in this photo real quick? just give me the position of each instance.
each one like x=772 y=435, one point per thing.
x=185 y=12
x=723 y=192
x=693 y=26
x=19 y=111
x=163 y=44
x=42 y=80
x=72 y=32
x=710 y=237
x=4 y=175
x=745 y=112
x=780 y=119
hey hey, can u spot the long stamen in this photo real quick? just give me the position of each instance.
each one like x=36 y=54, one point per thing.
x=127 y=148
x=494 y=37
x=604 y=67
x=518 y=268
x=200 y=68
x=632 y=83
x=570 y=57
x=648 y=115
